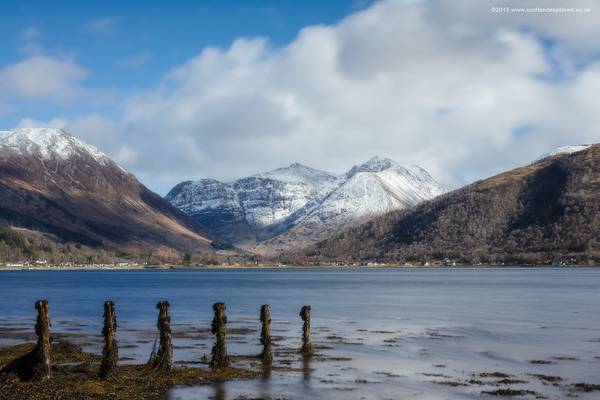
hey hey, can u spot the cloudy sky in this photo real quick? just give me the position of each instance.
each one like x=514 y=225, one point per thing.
x=184 y=90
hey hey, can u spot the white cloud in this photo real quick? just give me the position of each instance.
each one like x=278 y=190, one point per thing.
x=126 y=155
x=444 y=88
x=102 y=26
x=578 y=30
x=41 y=76
x=38 y=76
x=32 y=123
x=137 y=60
x=450 y=86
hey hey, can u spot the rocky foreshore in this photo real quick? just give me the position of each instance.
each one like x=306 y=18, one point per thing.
x=76 y=375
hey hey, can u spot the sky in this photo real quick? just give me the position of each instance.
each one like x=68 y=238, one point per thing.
x=183 y=90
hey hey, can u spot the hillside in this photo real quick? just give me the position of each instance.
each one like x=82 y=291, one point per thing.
x=66 y=189
x=545 y=212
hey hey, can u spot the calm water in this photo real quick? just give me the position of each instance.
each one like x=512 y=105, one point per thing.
x=380 y=333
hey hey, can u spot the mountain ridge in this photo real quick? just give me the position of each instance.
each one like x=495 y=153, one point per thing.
x=262 y=207
x=544 y=212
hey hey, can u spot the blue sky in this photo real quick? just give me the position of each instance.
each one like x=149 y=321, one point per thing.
x=128 y=46
x=185 y=90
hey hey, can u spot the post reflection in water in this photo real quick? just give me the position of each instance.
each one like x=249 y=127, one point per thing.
x=306 y=369
x=265 y=386
x=220 y=393
x=265 y=380
x=266 y=371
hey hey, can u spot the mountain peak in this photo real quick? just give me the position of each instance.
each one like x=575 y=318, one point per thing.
x=42 y=137
x=297 y=165
x=380 y=162
x=49 y=143
x=297 y=172
x=43 y=133
x=374 y=164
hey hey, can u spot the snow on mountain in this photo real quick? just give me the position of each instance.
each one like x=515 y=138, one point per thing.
x=363 y=194
x=565 y=150
x=56 y=183
x=215 y=205
x=193 y=197
x=375 y=164
x=48 y=143
x=271 y=203
x=378 y=186
x=240 y=210
x=272 y=196
x=298 y=173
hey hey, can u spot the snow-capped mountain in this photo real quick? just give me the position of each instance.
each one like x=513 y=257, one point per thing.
x=241 y=210
x=301 y=174
x=296 y=205
x=374 y=188
x=375 y=164
x=53 y=182
x=48 y=143
x=57 y=158
x=370 y=191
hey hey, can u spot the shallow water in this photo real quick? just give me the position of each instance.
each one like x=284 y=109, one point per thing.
x=380 y=333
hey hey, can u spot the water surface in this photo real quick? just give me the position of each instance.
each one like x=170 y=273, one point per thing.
x=380 y=333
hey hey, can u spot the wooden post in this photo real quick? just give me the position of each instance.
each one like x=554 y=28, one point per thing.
x=307 y=347
x=219 y=350
x=110 y=352
x=35 y=365
x=164 y=357
x=265 y=334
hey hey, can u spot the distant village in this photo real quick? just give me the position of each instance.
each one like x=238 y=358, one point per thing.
x=44 y=264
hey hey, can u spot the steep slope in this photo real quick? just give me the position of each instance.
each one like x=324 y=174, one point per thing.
x=547 y=211
x=297 y=205
x=55 y=183
x=215 y=205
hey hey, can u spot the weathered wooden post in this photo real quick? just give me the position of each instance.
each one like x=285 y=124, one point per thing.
x=265 y=334
x=110 y=352
x=35 y=365
x=219 y=350
x=164 y=357
x=41 y=352
x=307 y=347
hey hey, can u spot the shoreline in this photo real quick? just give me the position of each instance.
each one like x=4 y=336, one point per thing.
x=275 y=267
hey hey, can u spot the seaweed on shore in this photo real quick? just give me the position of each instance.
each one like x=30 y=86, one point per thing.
x=584 y=387
x=76 y=375
x=511 y=393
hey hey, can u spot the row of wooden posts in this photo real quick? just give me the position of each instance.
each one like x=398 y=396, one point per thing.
x=35 y=365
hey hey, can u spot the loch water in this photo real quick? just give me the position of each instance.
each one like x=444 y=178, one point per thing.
x=380 y=333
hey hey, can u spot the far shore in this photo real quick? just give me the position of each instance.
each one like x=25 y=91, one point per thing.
x=139 y=267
